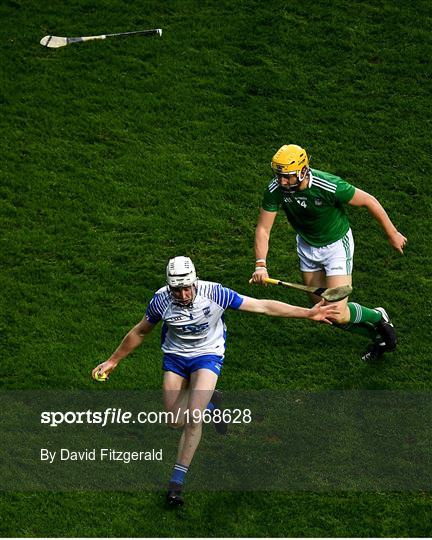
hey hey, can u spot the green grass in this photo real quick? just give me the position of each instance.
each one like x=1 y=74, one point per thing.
x=224 y=514
x=118 y=155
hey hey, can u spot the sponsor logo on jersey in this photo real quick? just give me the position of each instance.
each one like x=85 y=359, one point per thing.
x=194 y=328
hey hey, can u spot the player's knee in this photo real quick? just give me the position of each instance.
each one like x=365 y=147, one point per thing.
x=341 y=318
x=175 y=425
x=174 y=419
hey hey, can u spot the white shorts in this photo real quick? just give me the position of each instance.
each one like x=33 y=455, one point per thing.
x=335 y=259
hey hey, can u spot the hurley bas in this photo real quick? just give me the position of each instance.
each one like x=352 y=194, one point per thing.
x=102 y=454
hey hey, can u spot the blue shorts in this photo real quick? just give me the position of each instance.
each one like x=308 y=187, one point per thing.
x=185 y=366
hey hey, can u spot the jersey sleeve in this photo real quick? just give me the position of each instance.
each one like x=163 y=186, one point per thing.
x=344 y=191
x=154 y=310
x=226 y=298
x=271 y=198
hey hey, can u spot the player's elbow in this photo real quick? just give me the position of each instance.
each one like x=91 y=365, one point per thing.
x=368 y=201
x=371 y=202
x=265 y=307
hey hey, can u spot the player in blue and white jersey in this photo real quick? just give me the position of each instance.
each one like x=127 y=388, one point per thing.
x=193 y=346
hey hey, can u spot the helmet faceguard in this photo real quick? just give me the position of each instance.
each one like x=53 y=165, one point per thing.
x=289 y=188
x=181 y=274
x=288 y=162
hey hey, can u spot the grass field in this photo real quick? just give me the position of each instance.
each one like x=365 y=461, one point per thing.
x=117 y=155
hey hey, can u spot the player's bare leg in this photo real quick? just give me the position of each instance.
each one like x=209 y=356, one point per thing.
x=202 y=385
x=201 y=388
x=314 y=279
x=338 y=281
x=175 y=395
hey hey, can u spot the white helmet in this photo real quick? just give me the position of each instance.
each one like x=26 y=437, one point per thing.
x=181 y=272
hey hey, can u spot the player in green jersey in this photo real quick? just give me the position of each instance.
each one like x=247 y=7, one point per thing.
x=313 y=202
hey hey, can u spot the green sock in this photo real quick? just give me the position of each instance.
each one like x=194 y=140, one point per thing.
x=361 y=314
x=362 y=321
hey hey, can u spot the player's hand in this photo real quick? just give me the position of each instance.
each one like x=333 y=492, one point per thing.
x=259 y=276
x=106 y=367
x=397 y=241
x=324 y=313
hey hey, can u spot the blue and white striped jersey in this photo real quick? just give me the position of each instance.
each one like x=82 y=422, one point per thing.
x=197 y=329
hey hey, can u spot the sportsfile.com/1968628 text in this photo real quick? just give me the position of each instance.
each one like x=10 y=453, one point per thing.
x=112 y=415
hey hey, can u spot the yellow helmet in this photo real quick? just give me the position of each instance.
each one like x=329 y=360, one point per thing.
x=290 y=159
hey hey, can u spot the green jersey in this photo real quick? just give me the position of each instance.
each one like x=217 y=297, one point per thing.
x=315 y=213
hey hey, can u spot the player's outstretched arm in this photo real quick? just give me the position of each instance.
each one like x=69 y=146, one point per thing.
x=273 y=308
x=395 y=238
x=130 y=342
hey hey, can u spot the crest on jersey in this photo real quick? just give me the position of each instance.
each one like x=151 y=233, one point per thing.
x=206 y=311
x=318 y=201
